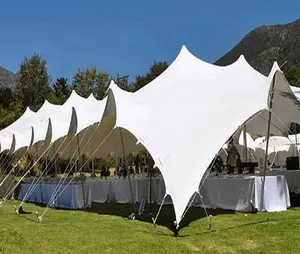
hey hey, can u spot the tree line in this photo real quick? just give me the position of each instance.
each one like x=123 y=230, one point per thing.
x=35 y=85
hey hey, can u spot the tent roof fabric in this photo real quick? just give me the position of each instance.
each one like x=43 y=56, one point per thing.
x=7 y=134
x=25 y=134
x=173 y=115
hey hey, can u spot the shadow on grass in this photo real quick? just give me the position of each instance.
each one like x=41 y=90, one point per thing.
x=166 y=217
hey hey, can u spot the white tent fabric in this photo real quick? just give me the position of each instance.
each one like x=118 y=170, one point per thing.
x=296 y=91
x=249 y=140
x=24 y=136
x=76 y=120
x=6 y=135
x=88 y=115
x=284 y=112
x=275 y=144
x=173 y=115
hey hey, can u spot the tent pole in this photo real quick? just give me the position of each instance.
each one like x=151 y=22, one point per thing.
x=150 y=170
x=55 y=159
x=270 y=106
x=78 y=151
x=245 y=143
x=125 y=162
x=296 y=140
x=93 y=166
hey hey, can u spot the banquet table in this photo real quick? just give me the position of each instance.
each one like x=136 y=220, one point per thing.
x=245 y=193
x=237 y=192
x=74 y=196
x=118 y=190
x=292 y=178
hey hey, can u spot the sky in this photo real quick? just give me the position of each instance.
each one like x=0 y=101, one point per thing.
x=127 y=36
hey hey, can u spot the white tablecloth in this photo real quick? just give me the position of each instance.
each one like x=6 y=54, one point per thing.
x=245 y=193
x=118 y=190
x=75 y=196
x=239 y=193
x=292 y=178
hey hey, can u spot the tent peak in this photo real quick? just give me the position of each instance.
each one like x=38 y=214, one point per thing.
x=276 y=66
x=91 y=96
x=28 y=110
x=274 y=69
x=112 y=85
x=184 y=48
x=74 y=93
x=242 y=57
x=45 y=104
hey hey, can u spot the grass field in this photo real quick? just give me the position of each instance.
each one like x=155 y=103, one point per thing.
x=104 y=228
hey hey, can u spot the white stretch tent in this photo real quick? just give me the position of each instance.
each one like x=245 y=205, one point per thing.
x=70 y=130
x=88 y=115
x=284 y=112
x=59 y=123
x=174 y=114
x=24 y=135
x=7 y=134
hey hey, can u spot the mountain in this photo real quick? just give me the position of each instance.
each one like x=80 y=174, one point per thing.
x=266 y=44
x=7 y=78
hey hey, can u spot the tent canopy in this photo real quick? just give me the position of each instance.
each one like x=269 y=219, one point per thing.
x=173 y=115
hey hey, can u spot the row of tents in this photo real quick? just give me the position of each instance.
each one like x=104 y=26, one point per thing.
x=182 y=118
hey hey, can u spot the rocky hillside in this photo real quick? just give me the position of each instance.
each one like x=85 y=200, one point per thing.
x=265 y=44
x=7 y=78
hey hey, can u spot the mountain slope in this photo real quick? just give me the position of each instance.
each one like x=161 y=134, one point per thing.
x=7 y=78
x=266 y=44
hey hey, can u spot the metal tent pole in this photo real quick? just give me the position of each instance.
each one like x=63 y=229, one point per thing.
x=296 y=139
x=125 y=162
x=270 y=106
x=245 y=143
x=269 y=124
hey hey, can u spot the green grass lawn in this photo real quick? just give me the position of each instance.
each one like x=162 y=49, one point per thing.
x=104 y=228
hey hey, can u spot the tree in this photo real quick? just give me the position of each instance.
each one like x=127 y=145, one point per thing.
x=10 y=114
x=293 y=76
x=103 y=80
x=122 y=82
x=89 y=81
x=34 y=81
x=155 y=70
x=6 y=97
x=61 y=90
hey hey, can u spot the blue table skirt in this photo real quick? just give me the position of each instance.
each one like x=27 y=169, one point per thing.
x=70 y=198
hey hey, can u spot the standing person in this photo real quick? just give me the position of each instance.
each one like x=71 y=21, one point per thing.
x=232 y=158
